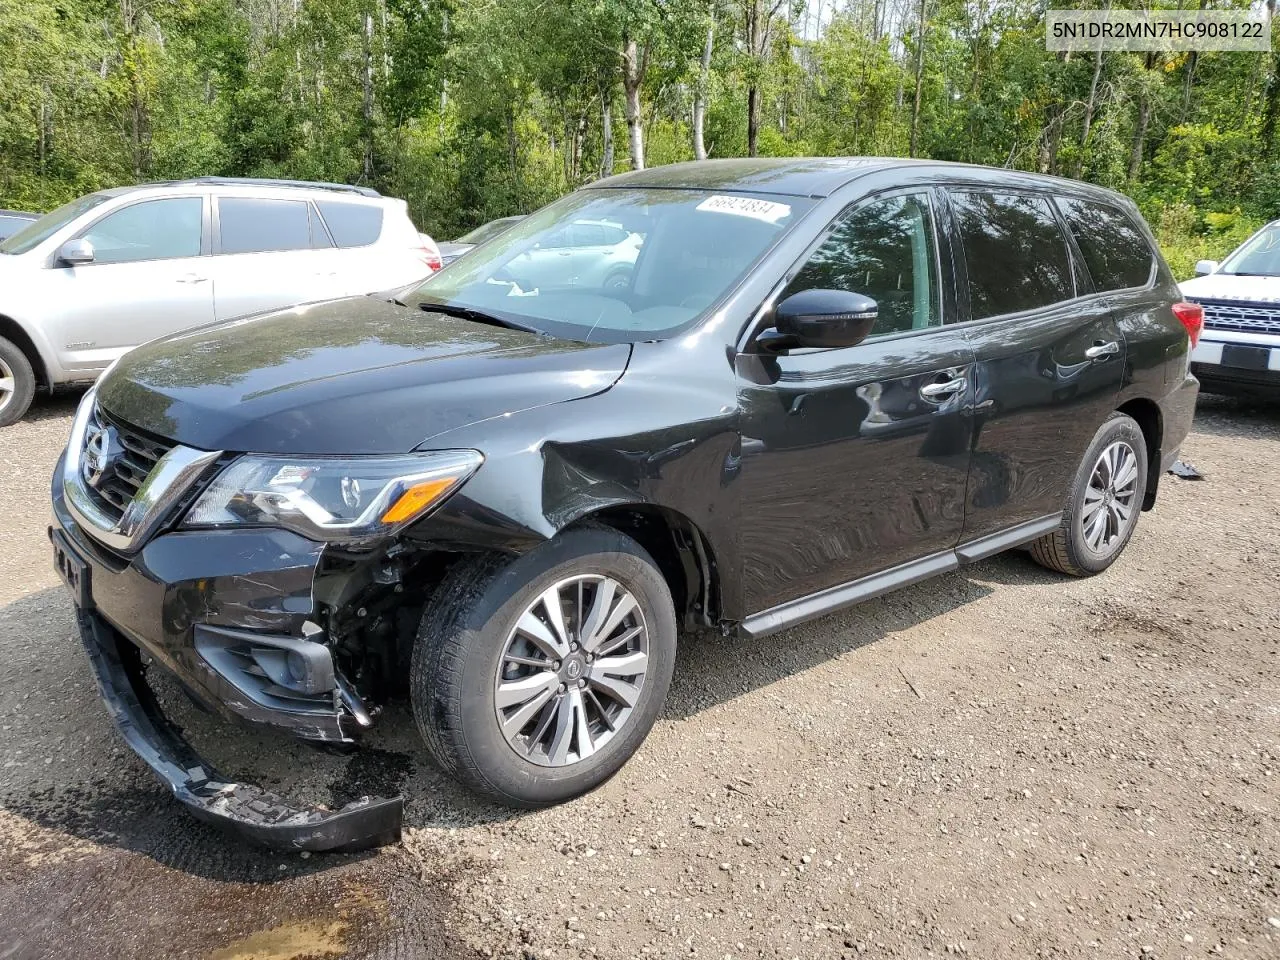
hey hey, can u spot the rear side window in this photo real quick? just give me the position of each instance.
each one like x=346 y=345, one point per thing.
x=352 y=224
x=1015 y=253
x=253 y=225
x=1114 y=249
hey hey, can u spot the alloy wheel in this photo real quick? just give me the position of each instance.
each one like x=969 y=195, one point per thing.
x=571 y=670
x=1111 y=498
x=8 y=385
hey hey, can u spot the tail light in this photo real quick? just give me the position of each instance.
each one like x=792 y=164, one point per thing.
x=430 y=254
x=1191 y=316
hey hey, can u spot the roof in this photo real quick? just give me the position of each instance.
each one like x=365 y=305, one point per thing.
x=249 y=182
x=823 y=176
x=19 y=213
x=797 y=177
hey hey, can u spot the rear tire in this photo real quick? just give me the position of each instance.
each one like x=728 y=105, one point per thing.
x=537 y=714
x=1103 y=503
x=17 y=383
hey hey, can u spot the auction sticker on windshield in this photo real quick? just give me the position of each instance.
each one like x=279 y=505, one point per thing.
x=767 y=210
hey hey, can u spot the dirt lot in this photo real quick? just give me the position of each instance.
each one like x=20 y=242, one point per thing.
x=999 y=763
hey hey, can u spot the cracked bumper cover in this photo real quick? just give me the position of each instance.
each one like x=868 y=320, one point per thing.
x=186 y=600
x=248 y=810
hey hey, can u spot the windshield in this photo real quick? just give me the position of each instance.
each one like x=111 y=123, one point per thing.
x=489 y=230
x=40 y=230
x=616 y=266
x=1257 y=256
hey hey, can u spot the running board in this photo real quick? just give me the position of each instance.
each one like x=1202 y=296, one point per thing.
x=795 y=612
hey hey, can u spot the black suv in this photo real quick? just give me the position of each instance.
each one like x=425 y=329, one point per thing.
x=505 y=492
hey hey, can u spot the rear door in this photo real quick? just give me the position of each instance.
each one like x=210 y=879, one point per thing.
x=1050 y=356
x=149 y=277
x=269 y=253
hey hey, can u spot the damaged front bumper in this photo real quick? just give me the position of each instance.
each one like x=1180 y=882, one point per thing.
x=228 y=614
x=248 y=810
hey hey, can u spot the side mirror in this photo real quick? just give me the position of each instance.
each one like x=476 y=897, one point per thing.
x=75 y=252
x=821 y=318
x=1205 y=267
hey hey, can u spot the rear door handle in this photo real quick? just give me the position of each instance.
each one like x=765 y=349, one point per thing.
x=1101 y=350
x=192 y=278
x=947 y=388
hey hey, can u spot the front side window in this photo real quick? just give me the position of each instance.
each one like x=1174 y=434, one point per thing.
x=884 y=250
x=1015 y=253
x=1259 y=256
x=616 y=265
x=1114 y=249
x=254 y=225
x=150 y=230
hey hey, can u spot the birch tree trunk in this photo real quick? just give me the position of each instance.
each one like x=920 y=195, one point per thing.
x=915 y=107
x=700 y=95
x=606 y=133
x=633 y=68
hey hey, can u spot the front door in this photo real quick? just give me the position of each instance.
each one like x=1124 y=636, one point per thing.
x=148 y=278
x=1050 y=357
x=854 y=460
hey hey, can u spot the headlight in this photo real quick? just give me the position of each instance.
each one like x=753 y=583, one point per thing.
x=331 y=500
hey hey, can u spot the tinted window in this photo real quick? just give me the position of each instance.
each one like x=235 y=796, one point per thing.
x=352 y=224
x=250 y=225
x=11 y=225
x=489 y=230
x=884 y=250
x=151 y=230
x=1015 y=253
x=1114 y=249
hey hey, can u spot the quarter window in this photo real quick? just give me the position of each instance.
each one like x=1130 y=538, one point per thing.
x=1114 y=249
x=352 y=224
x=150 y=230
x=253 y=225
x=883 y=249
x=1015 y=253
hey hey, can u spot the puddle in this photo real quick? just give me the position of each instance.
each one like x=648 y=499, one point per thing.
x=289 y=941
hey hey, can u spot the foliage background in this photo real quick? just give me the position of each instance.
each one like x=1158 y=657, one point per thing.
x=473 y=109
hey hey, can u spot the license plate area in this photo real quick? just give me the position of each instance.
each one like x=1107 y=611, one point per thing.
x=1245 y=357
x=73 y=571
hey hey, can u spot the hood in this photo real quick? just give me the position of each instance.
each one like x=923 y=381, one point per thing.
x=351 y=376
x=1225 y=286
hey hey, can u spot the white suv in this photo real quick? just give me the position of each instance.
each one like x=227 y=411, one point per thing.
x=1239 y=350
x=104 y=273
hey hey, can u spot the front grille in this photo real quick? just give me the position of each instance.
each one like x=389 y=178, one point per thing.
x=129 y=468
x=1241 y=317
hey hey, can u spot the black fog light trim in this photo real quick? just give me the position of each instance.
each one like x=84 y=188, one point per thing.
x=274 y=670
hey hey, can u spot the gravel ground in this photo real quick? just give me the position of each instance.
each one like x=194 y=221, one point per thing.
x=998 y=763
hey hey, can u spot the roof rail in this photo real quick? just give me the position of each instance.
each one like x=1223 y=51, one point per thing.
x=269 y=182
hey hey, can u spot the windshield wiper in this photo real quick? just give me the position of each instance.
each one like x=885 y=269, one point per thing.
x=1245 y=273
x=477 y=316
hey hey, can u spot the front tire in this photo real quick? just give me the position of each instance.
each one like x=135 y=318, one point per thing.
x=534 y=680
x=1103 y=504
x=17 y=383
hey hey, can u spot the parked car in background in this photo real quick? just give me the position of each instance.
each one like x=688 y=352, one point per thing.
x=1240 y=350
x=11 y=221
x=104 y=273
x=825 y=379
x=582 y=254
x=453 y=249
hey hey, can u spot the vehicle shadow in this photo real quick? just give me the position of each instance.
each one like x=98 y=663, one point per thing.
x=61 y=403
x=1237 y=417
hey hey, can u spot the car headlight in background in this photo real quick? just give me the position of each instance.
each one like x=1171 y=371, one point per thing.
x=331 y=500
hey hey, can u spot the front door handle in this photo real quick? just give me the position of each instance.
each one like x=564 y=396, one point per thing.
x=192 y=278
x=947 y=388
x=1101 y=350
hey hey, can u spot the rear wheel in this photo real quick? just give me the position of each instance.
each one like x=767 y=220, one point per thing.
x=17 y=383
x=1103 y=504
x=535 y=679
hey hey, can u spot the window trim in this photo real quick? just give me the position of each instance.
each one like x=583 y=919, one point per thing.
x=54 y=263
x=1152 y=272
x=761 y=318
x=217 y=250
x=965 y=305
